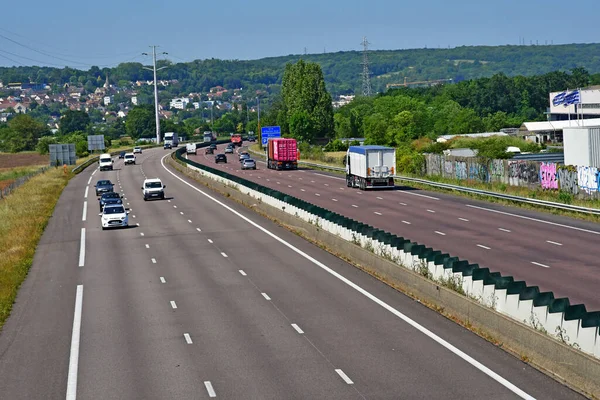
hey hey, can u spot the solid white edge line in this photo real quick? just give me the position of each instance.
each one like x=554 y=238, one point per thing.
x=266 y=296
x=188 y=338
x=163 y=280
x=84 y=215
x=344 y=376
x=243 y=273
x=87 y=188
x=82 y=248
x=540 y=265
x=75 y=338
x=555 y=243
x=535 y=219
x=297 y=328
x=173 y=305
x=367 y=294
x=210 y=389
x=417 y=194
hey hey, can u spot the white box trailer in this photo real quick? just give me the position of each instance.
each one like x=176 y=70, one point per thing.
x=369 y=167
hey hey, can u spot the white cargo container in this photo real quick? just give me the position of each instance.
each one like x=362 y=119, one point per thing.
x=582 y=146
x=369 y=167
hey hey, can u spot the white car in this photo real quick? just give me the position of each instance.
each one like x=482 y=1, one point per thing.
x=153 y=189
x=105 y=162
x=137 y=150
x=129 y=158
x=114 y=216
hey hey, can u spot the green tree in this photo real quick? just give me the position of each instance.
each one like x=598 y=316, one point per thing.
x=72 y=121
x=306 y=102
x=140 y=122
x=23 y=133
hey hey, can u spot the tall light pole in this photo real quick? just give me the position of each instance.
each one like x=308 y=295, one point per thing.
x=258 y=109
x=155 y=90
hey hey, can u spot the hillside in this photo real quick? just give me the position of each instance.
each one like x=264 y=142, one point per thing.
x=342 y=69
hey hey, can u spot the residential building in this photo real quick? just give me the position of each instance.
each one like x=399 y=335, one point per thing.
x=108 y=100
x=179 y=103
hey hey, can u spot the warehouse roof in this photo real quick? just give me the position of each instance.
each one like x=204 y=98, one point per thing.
x=548 y=126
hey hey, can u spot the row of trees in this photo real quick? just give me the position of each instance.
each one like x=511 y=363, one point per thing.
x=341 y=70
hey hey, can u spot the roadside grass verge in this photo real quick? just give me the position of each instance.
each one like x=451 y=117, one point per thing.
x=23 y=217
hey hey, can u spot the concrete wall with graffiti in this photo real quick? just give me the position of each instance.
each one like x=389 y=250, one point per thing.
x=580 y=181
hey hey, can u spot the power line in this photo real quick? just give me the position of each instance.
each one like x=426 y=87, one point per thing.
x=31 y=59
x=95 y=56
x=10 y=59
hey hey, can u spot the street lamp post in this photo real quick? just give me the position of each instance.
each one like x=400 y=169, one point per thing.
x=155 y=90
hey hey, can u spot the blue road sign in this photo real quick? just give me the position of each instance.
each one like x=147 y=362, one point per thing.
x=269 y=132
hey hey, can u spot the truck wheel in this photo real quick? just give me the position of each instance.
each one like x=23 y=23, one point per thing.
x=348 y=181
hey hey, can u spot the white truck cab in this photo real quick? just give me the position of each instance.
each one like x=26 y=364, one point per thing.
x=105 y=162
x=153 y=188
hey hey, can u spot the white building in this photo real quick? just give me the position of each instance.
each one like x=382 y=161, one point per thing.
x=108 y=100
x=179 y=103
x=588 y=108
x=134 y=100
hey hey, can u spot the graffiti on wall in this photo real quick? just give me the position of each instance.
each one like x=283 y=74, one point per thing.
x=548 y=178
x=587 y=178
x=448 y=168
x=460 y=167
x=497 y=169
x=435 y=167
x=568 y=181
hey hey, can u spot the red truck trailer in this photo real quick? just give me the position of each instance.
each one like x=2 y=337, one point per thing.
x=236 y=139
x=282 y=154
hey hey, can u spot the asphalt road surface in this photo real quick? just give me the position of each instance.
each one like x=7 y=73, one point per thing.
x=553 y=252
x=206 y=299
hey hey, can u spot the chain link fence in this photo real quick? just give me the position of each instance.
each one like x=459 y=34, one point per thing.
x=7 y=190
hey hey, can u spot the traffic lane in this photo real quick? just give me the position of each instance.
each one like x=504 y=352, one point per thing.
x=35 y=340
x=132 y=345
x=285 y=288
x=546 y=224
x=525 y=256
x=251 y=353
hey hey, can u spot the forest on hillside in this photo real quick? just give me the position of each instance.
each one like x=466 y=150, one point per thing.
x=342 y=70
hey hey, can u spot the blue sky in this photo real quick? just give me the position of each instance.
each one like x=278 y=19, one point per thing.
x=81 y=33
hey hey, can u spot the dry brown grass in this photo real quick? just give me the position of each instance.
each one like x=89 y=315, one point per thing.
x=24 y=159
x=23 y=216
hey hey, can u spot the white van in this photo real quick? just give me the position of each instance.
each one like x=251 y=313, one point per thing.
x=106 y=162
x=190 y=148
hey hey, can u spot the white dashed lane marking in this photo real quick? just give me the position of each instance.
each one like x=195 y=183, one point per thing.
x=554 y=243
x=540 y=265
x=440 y=233
x=483 y=247
x=266 y=296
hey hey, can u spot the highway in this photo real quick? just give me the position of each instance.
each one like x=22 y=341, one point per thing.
x=552 y=252
x=205 y=299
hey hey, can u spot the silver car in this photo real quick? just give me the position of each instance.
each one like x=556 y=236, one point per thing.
x=248 y=163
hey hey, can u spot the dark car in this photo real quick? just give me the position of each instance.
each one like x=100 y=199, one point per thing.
x=252 y=138
x=167 y=146
x=122 y=154
x=213 y=146
x=110 y=198
x=209 y=150
x=103 y=186
x=220 y=158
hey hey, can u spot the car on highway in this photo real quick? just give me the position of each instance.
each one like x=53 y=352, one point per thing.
x=105 y=162
x=129 y=158
x=229 y=150
x=167 y=146
x=220 y=158
x=213 y=146
x=209 y=150
x=103 y=186
x=248 y=163
x=109 y=198
x=153 y=188
x=244 y=156
x=122 y=154
x=137 y=150
x=114 y=216
x=251 y=138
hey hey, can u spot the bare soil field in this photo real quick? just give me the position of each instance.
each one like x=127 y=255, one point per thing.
x=10 y=160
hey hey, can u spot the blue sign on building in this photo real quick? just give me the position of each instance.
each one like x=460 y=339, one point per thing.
x=269 y=132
